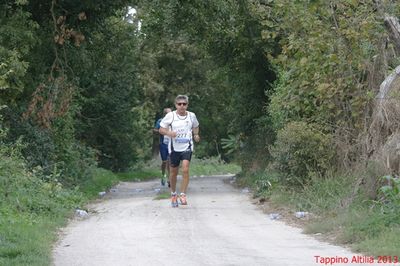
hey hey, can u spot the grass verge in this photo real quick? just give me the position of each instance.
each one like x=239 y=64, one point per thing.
x=33 y=207
x=28 y=240
x=337 y=210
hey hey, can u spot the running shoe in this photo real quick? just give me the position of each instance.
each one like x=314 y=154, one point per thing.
x=174 y=200
x=182 y=199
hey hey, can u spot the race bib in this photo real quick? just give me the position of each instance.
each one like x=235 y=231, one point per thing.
x=182 y=140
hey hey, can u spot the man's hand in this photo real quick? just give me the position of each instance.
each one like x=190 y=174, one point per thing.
x=196 y=137
x=171 y=134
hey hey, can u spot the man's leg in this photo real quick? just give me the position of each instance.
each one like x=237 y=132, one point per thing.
x=164 y=159
x=163 y=167
x=186 y=157
x=168 y=172
x=167 y=166
x=173 y=177
x=185 y=176
x=174 y=167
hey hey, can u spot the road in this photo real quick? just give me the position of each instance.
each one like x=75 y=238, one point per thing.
x=220 y=226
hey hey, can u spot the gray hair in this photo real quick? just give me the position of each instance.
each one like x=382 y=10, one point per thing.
x=182 y=97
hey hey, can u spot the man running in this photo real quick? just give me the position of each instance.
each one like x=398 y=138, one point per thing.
x=182 y=127
x=164 y=140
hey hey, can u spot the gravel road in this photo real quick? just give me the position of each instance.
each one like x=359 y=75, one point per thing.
x=220 y=226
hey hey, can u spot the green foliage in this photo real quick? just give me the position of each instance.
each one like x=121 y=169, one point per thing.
x=391 y=194
x=263 y=183
x=98 y=180
x=198 y=166
x=72 y=158
x=263 y=186
x=300 y=150
x=386 y=242
x=31 y=192
x=31 y=206
x=256 y=146
x=231 y=144
x=27 y=242
x=62 y=74
x=335 y=209
x=251 y=68
x=34 y=203
x=224 y=68
x=54 y=150
x=112 y=114
x=326 y=81
x=212 y=166
x=324 y=196
x=17 y=38
x=364 y=226
x=142 y=174
x=39 y=148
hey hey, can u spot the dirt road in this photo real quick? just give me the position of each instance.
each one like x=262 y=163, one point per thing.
x=220 y=226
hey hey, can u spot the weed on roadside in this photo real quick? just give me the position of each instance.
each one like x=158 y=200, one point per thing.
x=338 y=213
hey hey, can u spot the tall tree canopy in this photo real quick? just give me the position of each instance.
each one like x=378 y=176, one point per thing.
x=88 y=79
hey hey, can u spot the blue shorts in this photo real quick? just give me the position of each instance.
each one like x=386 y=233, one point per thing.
x=164 y=152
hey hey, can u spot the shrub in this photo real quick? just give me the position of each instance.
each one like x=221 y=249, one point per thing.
x=391 y=195
x=301 y=149
x=264 y=183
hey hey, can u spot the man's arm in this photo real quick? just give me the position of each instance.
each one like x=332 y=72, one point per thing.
x=157 y=127
x=196 y=134
x=163 y=131
x=167 y=132
x=165 y=124
x=195 y=128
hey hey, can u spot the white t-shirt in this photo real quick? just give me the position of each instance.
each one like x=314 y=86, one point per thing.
x=183 y=126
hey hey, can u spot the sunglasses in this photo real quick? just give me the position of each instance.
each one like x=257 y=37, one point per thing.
x=179 y=104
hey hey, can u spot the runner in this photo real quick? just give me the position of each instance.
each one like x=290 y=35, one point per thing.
x=164 y=140
x=182 y=127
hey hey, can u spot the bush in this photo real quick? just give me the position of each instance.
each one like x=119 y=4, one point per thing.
x=27 y=192
x=52 y=150
x=32 y=205
x=38 y=148
x=301 y=149
x=264 y=183
x=391 y=196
